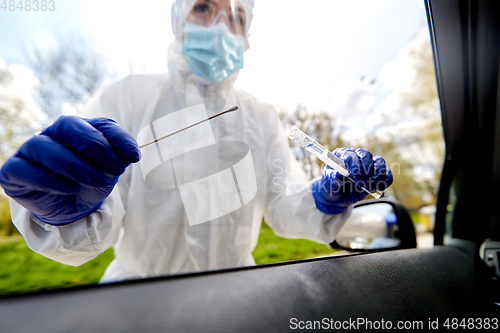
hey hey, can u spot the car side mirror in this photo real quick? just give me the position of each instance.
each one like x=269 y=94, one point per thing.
x=377 y=225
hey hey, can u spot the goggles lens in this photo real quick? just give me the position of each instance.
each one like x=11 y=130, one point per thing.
x=211 y=12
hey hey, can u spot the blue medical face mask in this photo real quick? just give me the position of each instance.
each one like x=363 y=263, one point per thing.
x=213 y=53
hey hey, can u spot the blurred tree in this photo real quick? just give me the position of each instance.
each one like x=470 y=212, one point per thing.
x=19 y=119
x=69 y=74
x=409 y=131
x=321 y=127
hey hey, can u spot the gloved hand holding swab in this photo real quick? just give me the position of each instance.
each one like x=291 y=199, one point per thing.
x=306 y=142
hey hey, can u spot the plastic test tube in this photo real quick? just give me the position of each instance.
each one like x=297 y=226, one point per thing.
x=306 y=142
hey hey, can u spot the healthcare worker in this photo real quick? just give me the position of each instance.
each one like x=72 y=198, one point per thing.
x=196 y=200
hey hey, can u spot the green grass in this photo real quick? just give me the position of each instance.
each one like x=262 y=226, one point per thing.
x=22 y=270
x=271 y=248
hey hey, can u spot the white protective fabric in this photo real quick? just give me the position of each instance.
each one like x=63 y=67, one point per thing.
x=150 y=222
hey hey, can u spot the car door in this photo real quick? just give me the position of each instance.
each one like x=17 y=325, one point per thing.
x=444 y=287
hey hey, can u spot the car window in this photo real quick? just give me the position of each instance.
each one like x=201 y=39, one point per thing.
x=349 y=74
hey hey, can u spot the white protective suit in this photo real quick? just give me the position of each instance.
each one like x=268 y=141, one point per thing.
x=150 y=223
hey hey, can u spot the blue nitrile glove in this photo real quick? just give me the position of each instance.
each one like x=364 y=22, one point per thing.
x=333 y=193
x=64 y=174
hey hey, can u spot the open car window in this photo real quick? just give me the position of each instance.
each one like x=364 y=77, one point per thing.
x=347 y=77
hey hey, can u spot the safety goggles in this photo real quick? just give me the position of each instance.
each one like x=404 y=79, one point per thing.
x=211 y=12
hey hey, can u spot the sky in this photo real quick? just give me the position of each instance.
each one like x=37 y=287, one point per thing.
x=313 y=52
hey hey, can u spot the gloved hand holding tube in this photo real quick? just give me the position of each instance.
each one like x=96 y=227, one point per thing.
x=333 y=193
x=64 y=174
